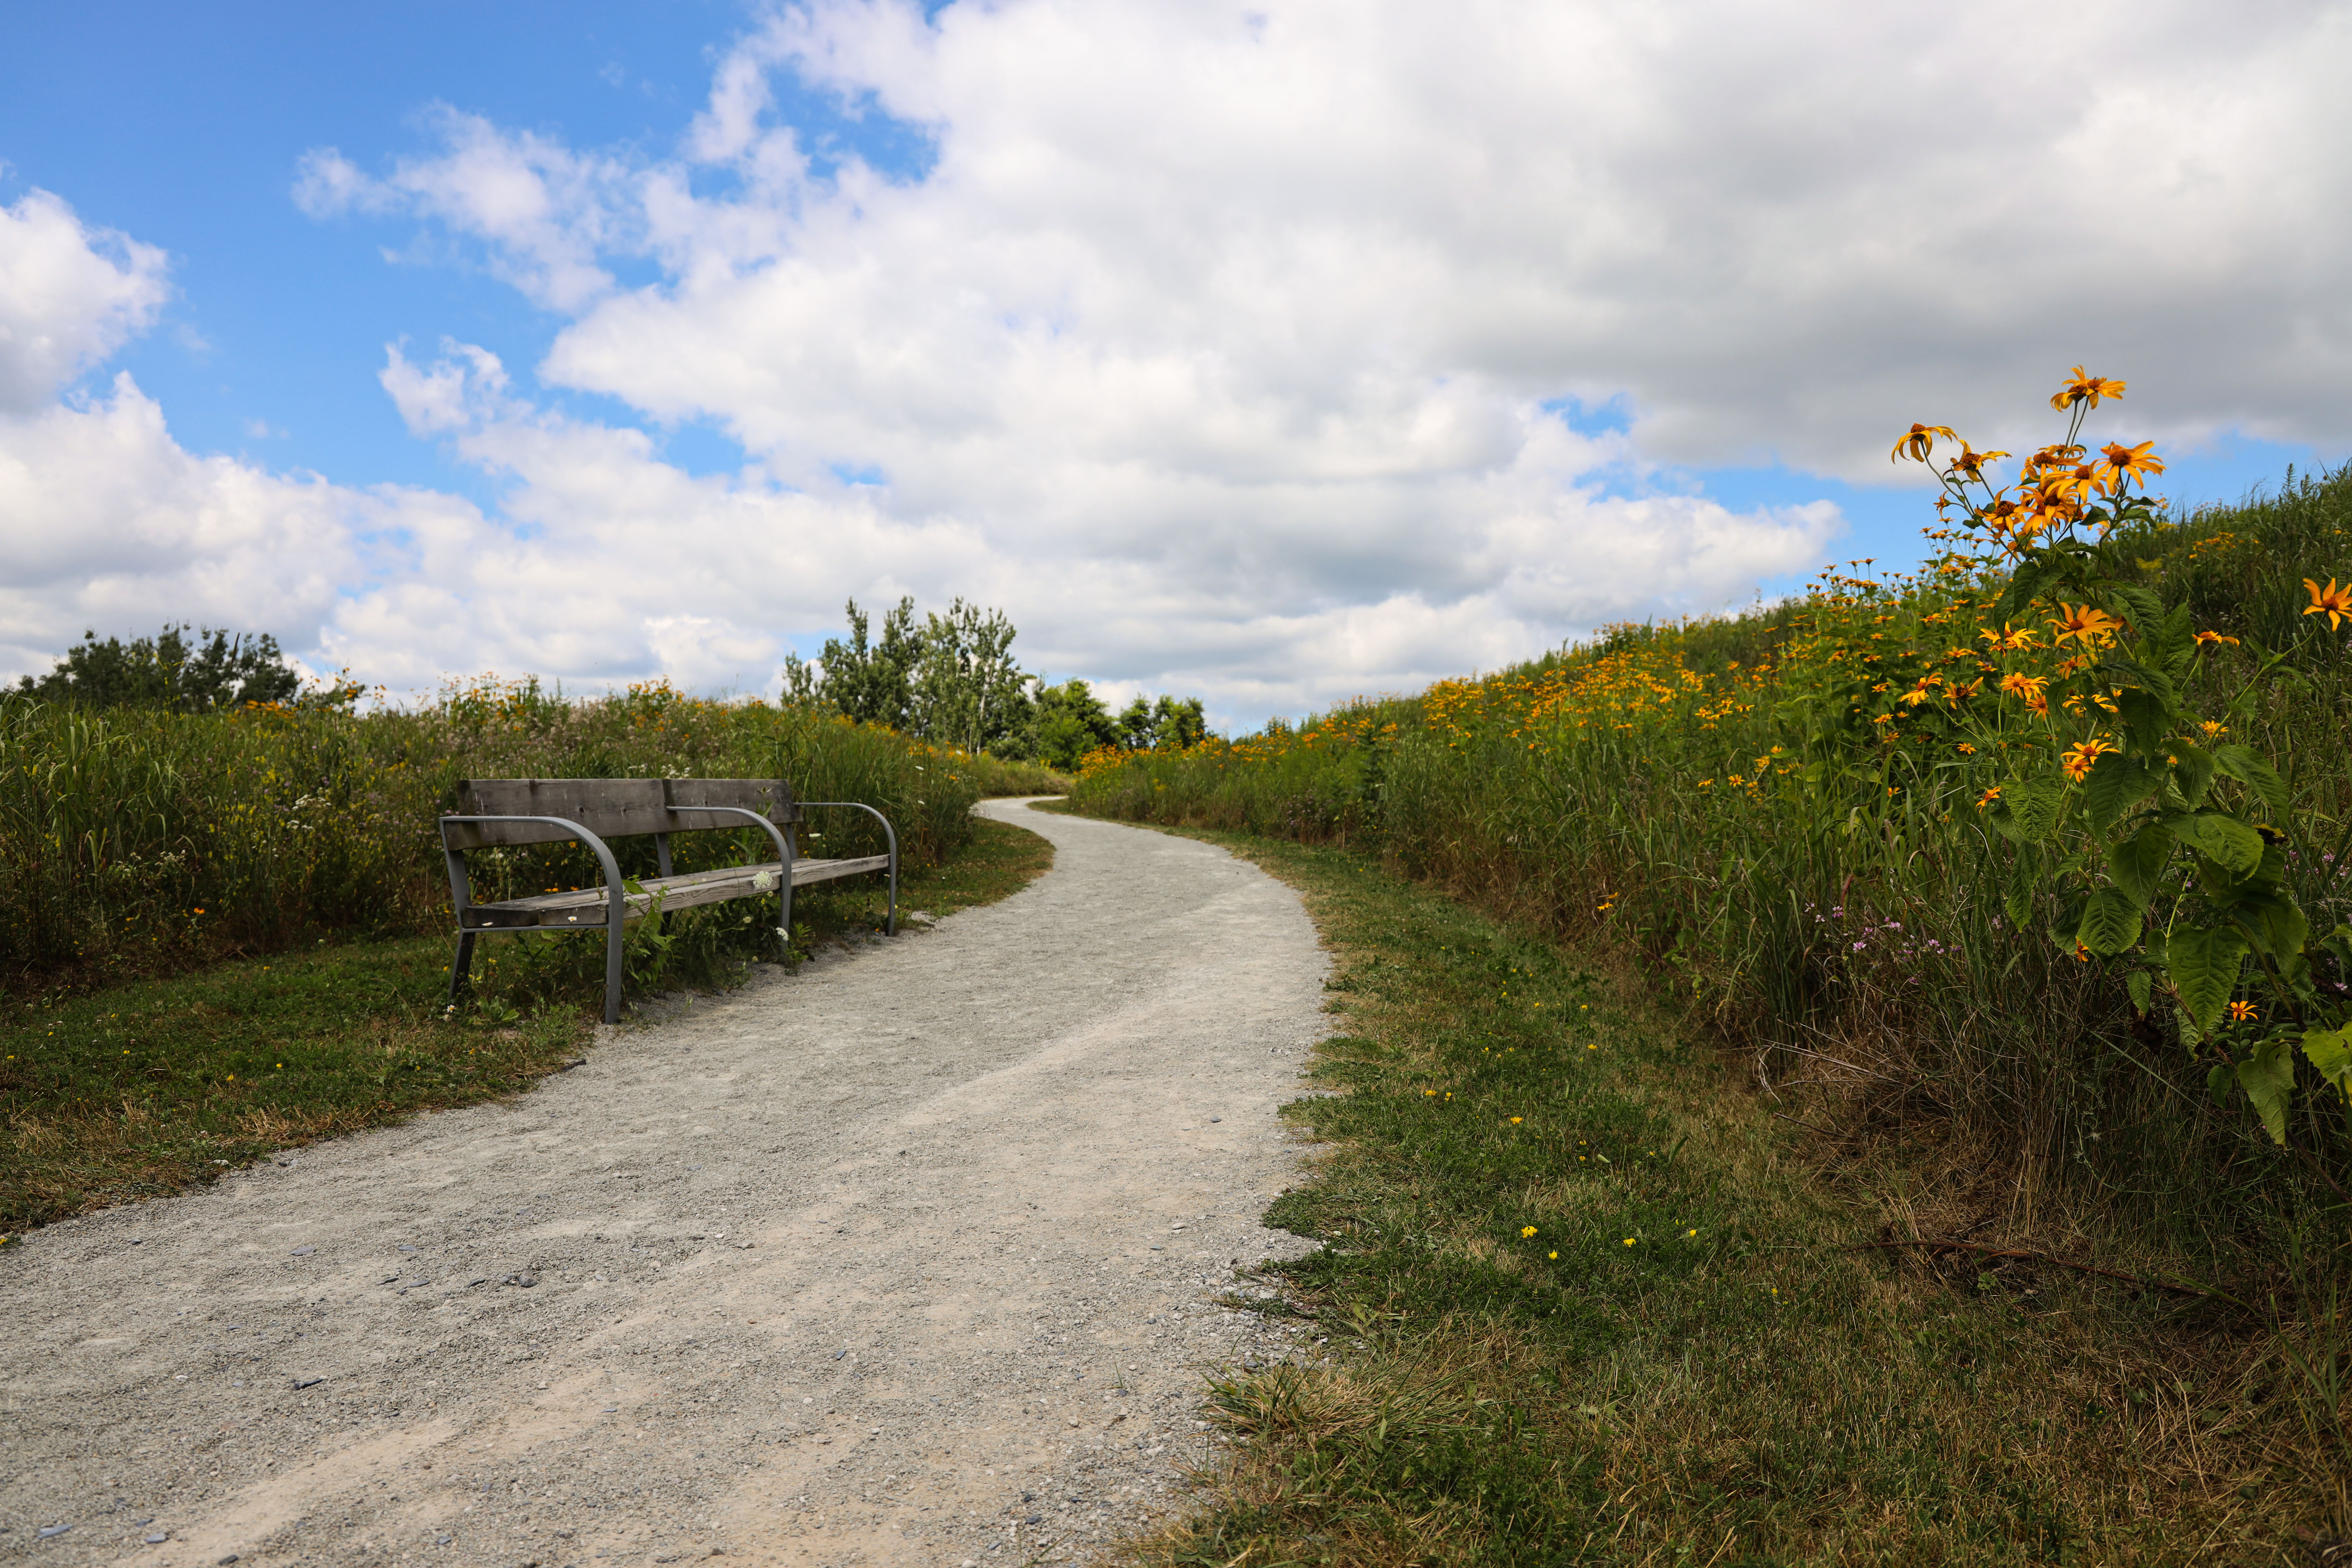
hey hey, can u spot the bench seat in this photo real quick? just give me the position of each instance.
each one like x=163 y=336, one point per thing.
x=589 y=905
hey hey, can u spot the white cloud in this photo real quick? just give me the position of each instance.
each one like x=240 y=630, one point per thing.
x=1216 y=344
x=69 y=296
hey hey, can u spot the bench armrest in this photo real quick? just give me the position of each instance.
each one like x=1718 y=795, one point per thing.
x=461 y=891
x=891 y=927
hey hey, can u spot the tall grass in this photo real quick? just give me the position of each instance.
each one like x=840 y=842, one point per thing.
x=1745 y=805
x=134 y=841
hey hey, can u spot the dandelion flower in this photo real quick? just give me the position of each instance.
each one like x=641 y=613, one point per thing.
x=1628 y=1241
x=1527 y=1230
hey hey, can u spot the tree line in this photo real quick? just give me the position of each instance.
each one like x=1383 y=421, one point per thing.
x=952 y=679
x=949 y=679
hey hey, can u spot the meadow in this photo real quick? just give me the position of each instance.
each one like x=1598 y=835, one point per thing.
x=225 y=933
x=2010 y=888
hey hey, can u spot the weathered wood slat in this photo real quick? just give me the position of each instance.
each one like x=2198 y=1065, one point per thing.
x=610 y=808
x=771 y=798
x=589 y=905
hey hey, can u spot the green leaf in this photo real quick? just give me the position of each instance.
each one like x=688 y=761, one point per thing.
x=2267 y=1075
x=2203 y=962
x=2256 y=774
x=2330 y=1051
x=2192 y=770
x=2223 y=839
x=2138 y=984
x=2110 y=923
x=2217 y=1083
x=2034 y=805
x=2019 y=905
x=2137 y=863
x=2143 y=609
x=2155 y=682
x=2116 y=783
x=2145 y=717
x=2273 y=923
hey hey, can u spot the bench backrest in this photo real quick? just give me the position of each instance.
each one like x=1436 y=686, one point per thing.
x=610 y=808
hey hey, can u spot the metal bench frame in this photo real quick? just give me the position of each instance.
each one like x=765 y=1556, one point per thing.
x=618 y=904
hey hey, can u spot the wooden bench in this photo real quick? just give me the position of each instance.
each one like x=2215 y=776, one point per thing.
x=497 y=812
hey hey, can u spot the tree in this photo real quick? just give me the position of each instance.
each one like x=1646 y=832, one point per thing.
x=1071 y=721
x=1178 y=723
x=218 y=669
x=873 y=685
x=968 y=692
x=1169 y=724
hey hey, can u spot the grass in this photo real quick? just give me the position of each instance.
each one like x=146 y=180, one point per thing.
x=143 y=1089
x=1814 y=873
x=1683 y=1363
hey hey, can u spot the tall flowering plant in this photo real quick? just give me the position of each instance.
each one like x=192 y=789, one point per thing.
x=2163 y=841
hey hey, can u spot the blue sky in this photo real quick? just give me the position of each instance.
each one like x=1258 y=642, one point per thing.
x=1274 y=355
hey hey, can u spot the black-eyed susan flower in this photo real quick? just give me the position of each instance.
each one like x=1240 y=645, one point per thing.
x=2333 y=602
x=2084 y=388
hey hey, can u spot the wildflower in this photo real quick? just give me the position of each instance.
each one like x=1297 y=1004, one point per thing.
x=2122 y=460
x=1628 y=1241
x=1694 y=1232
x=2079 y=760
x=2243 y=1012
x=1526 y=1231
x=2085 y=625
x=1921 y=440
x=2084 y=388
x=1970 y=464
x=2216 y=638
x=1514 y=1121
x=2214 y=730
x=1966 y=750
x=2009 y=640
x=1555 y=1256
x=2333 y=602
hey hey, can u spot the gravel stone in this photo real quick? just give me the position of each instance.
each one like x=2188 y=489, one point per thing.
x=958 y=1154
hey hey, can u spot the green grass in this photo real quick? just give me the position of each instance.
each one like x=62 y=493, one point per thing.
x=1734 y=1385
x=142 y=1089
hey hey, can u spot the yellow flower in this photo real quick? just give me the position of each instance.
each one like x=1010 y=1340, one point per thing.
x=2333 y=602
x=1555 y=1256
x=2214 y=730
x=1988 y=796
x=1970 y=464
x=2216 y=638
x=2078 y=760
x=2140 y=459
x=2084 y=388
x=1527 y=1230
x=2243 y=1012
x=1920 y=440
x=2009 y=640
x=1628 y=1241
x=2082 y=624
x=1514 y=1121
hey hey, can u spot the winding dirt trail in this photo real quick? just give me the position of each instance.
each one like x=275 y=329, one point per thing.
x=910 y=1257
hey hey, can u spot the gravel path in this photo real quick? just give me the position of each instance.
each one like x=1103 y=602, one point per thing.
x=910 y=1257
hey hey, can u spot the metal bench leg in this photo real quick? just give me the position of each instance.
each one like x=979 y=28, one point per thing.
x=461 y=967
x=613 y=973
x=784 y=897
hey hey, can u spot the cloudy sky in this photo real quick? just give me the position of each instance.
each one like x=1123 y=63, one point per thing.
x=1271 y=352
